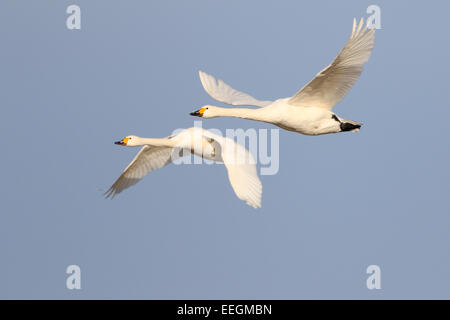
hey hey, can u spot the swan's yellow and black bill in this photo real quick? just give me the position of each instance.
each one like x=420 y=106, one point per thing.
x=122 y=142
x=198 y=113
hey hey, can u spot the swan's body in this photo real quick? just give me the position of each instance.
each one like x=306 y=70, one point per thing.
x=157 y=153
x=309 y=111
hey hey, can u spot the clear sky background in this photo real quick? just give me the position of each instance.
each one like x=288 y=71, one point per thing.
x=338 y=204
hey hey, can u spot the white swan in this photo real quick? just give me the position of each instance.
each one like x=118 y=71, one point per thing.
x=156 y=153
x=309 y=110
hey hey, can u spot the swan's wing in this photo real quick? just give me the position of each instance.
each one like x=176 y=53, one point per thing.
x=332 y=83
x=241 y=167
x=222 y=92
x=149 y=158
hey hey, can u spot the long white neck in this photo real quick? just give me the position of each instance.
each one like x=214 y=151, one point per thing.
x=259 y=114
x=156 y=142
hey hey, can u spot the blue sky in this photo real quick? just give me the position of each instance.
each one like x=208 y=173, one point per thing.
x=338 y=204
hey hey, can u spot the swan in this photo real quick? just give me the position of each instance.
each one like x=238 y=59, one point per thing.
x=158 y=152
x=309 y=111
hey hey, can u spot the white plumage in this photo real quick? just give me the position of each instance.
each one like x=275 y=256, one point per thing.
x=309 y=110
x=332 y=83
x=224 y=93
x=157 y=153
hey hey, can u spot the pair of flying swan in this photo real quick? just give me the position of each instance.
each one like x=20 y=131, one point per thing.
x=309 y=112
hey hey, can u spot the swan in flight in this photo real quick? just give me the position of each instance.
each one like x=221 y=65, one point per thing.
x=157 y=153
x=309 y=111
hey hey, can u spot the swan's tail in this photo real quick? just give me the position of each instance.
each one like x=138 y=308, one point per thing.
x=349 y=125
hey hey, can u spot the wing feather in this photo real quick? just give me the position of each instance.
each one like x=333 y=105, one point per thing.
x=332 y=83
x=149 y=158
x=242 y=173
x=222 y=92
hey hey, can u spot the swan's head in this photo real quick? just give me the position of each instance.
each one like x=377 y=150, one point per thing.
x=206 y=112
x=129 y=141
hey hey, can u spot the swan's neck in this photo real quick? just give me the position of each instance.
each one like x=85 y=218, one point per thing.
x=259 y=114
x=156 y=142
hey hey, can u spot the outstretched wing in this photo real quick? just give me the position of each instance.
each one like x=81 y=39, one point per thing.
x=241 y=168
x=332 y=83
x=222 y=92
x=149 y=158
